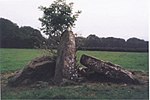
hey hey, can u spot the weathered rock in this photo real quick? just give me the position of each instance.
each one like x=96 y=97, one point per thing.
x=108 y=70
x=65 y=64
x=39 y=69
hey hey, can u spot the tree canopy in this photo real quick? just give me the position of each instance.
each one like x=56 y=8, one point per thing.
x=12 y=36
x=93 y=42
x=57 y=18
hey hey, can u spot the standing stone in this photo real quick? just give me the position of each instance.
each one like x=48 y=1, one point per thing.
x=65 y=63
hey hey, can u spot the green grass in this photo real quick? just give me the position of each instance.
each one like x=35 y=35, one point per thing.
x=15 y=59
x=129 y=60
x=84 y=91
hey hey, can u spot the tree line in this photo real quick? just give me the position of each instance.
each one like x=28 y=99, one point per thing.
x=13 y=36
x=93 y=42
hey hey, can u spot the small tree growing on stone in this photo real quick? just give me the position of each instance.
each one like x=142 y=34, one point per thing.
x=57 y=18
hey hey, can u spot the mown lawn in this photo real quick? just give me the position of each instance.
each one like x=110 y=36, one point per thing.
x=15 y=59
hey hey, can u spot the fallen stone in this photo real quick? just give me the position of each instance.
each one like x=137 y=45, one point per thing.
x=107 y=70
x=39 y=69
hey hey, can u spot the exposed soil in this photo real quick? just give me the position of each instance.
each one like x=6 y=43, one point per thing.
x=143 y=77
x=90 y=88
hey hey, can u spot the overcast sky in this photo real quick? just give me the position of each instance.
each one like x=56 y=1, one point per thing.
x=105 y=18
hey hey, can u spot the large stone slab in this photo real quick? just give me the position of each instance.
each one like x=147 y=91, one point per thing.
x=65 y=64
x=39 y=69
x=108 y=70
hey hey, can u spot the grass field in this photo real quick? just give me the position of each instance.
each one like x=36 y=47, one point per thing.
x=15 y=59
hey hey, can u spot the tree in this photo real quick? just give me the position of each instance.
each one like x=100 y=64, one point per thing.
x=57 y=18
x=135 y=44
x=32 y=38
x=12 y=36
x=80 y=41
x=92 y=41
x=9 y=32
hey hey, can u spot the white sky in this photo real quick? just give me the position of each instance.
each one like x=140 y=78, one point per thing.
x=105 y=18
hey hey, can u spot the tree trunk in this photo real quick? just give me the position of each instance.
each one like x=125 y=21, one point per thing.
x=108 y=69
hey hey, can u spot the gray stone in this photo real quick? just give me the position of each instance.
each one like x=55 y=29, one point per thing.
x=65 y=64
x=108 y=70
